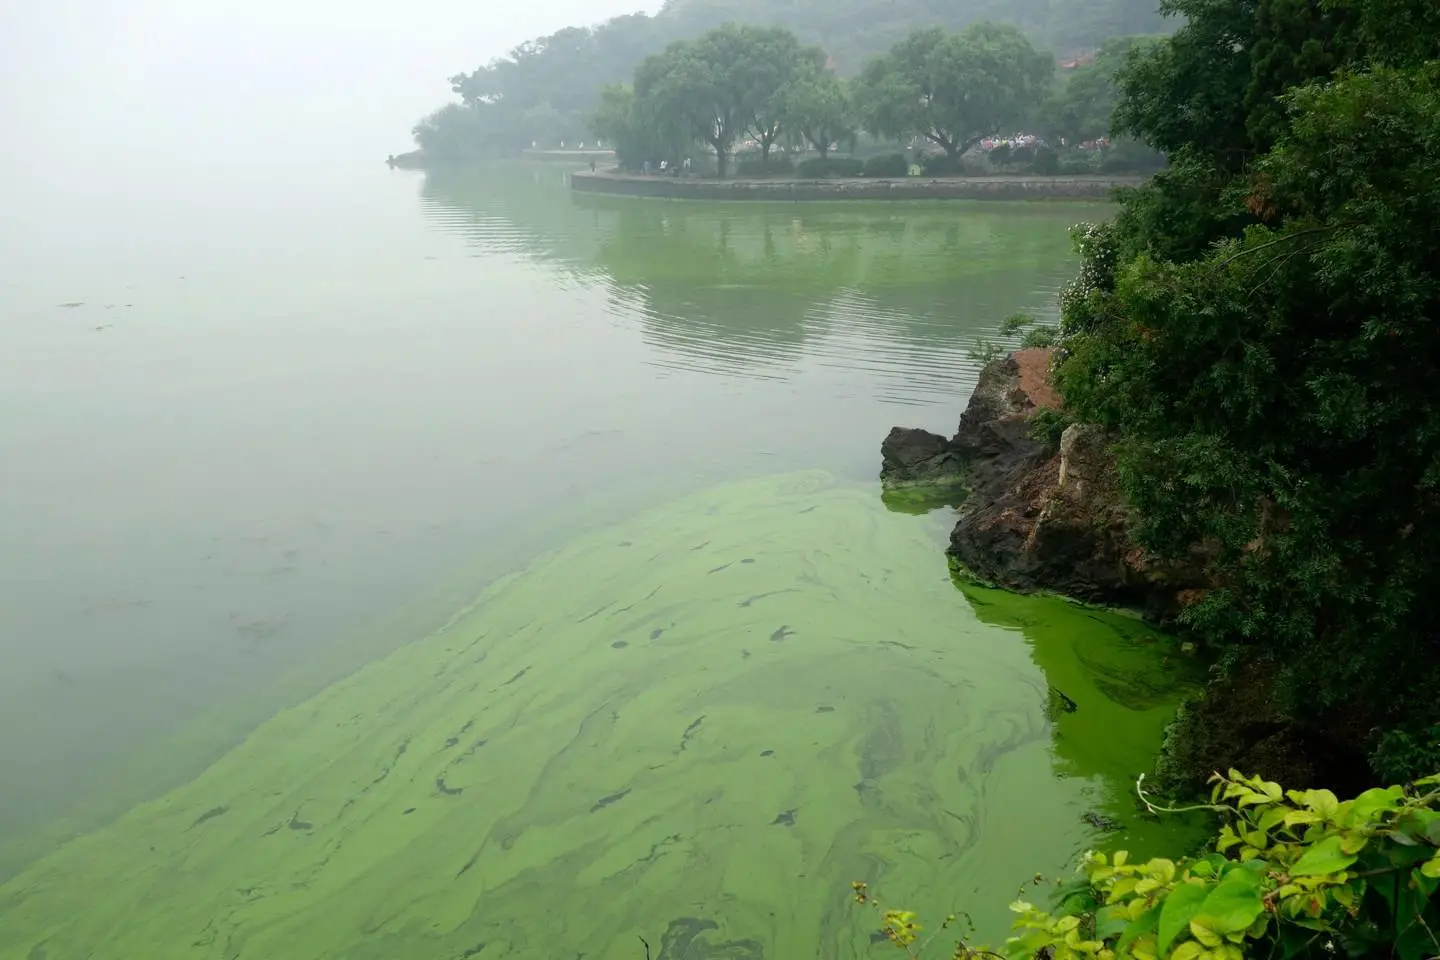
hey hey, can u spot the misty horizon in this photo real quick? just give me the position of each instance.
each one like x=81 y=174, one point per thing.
x=92 y=87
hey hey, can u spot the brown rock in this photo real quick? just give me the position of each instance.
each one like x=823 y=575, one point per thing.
x=1038 y=518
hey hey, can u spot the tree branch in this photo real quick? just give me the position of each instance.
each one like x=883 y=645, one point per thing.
x=1289 y=236
x=1154 y=808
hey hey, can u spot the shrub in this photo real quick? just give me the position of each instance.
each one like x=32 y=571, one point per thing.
x=1040 y=336
x=1047 y=426
x=1080 y=162
x=819 y=167
x=887 y=165
x=1293 y=874
x=984 y=352
x=1032 y=332
x=1128 y=156
x=1046 y=162
x=749 y=165
x=940 y=165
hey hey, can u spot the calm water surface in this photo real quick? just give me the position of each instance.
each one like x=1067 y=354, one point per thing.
x=256 y=439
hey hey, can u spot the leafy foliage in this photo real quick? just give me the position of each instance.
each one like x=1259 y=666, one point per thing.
x=817 y=167
x=853 y=30
x=953 y=89
x=545 y=90
x=1047 y=426
x=1293 y=873
x=891 y=165
x=1082 y=108
x=1257 y=324
x=815 y=105
x=737 y=85
x=634 y=137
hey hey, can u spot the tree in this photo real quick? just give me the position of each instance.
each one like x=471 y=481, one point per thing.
x=719 y=87
x=569 y=68
x=773 y=59
x=1083 y=107
x=815 y=106
x=953 y=89
x=615 y=121
x=451 y=133
x=1257 y=328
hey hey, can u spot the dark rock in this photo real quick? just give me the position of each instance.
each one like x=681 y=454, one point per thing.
x=1037 y=518
x=1008 y=391
x=911 y=457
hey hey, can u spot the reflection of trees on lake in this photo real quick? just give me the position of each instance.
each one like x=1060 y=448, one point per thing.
x=753 y=282
x=512 y=208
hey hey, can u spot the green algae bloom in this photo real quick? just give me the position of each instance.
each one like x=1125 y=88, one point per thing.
x=698 y=727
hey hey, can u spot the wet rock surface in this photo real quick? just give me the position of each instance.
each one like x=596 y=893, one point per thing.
x=912 y=457
x=1036 y=517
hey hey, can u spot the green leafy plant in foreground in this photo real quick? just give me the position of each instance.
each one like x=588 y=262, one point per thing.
x=1294 y=873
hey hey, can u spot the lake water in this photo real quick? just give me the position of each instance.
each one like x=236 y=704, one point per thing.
x=584 y=490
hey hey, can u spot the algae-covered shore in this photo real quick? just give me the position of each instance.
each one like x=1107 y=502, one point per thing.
x=698 y=726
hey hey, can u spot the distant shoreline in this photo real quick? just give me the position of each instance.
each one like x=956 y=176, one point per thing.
x=416 y=159
x=1091 y=188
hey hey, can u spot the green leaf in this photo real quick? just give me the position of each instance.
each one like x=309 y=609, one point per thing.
x=1322 y=802
x=1234 y=903
x=1325 y=857
x=1375 y=801
x=1271 y=817
x=1110 y=921
x=1201 y=930
x=1180 y=907
x=1415 y=943
x=1138 y=927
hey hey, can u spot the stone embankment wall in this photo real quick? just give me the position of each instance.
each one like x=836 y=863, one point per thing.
x=908 y=188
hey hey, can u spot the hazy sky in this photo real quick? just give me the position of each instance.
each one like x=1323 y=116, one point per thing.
x=88 y=83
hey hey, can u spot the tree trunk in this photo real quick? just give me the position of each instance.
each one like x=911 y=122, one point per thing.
x=720 y=162
x=765 y=146
x=945 y=143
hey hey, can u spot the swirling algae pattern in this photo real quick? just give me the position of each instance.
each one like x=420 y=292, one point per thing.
x=695 y=727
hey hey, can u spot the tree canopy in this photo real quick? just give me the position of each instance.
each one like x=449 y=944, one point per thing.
x=1257 y=327
x=1084 y=105
x=546 y=90
x=953 y=89
x=755 y=86
x=724 y=85
x=817 y=105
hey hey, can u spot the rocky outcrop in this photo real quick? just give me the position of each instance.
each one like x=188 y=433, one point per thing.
x=1037 y=516
x=919 y=458
x=1044 y=516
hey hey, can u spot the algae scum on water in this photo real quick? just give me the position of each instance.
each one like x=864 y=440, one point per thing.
x=697 y=727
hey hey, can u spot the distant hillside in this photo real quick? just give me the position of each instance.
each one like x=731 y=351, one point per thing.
x=545 y=90
x=853 y=30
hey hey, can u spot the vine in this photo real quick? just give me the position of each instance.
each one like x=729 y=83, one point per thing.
x=1294 y=873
